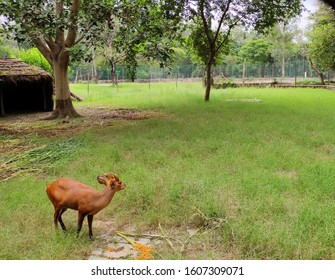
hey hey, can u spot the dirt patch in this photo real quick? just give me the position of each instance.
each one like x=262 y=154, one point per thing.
x=20 y=151
x=111 y=246
x=188 y=241
x=93 y=117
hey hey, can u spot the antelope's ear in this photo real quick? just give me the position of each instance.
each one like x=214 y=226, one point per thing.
x=101 y=180
x=109 y=176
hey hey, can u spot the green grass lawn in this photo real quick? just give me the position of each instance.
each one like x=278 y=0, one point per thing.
x=265 y=170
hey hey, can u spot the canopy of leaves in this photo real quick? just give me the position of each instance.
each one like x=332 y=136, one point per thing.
x=131 y=27
x=322 y=39
x=44 y=18
x=197 y=42
x=34 y=57
x=281 y=37
x=257 y=51
x=147 y=27
x=55 y=26
x=5 y=50
x=214 y=20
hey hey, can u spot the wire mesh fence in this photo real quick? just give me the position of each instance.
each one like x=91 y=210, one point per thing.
x=289 y=69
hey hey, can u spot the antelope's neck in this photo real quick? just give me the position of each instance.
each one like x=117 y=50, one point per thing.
x=106 y=196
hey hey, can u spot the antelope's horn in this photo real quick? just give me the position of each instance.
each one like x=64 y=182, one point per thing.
x=109 y=176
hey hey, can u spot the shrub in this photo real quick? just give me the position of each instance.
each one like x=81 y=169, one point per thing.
x=309 y=83
x=34 y=57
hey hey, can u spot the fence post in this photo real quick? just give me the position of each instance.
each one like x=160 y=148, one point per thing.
x=295 y=71
x=88 y=85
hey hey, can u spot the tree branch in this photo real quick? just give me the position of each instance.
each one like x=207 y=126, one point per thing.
x=73 y=18
x=228 y=34
x=44 y=49
x=221 y=20
x=59 y=30
x=41 y=44
x=204 y=20
x=83 y=35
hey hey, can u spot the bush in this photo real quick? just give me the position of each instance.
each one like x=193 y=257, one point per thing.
x=34 y=57
x=309 y=83
x=225 y=84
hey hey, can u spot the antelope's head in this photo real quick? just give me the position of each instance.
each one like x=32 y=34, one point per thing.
x=112 y=180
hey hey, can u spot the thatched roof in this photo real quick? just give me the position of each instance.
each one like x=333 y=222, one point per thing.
x=15 y=70
x=24 y=88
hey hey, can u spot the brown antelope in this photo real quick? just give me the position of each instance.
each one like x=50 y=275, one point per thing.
x=66 y=193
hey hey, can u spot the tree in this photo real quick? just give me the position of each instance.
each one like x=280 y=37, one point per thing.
x=320 y=49
x=5 y=49
x=149 y=29
x=217 y=18
x=255 y=51
x=200 y=50
x=109 y=51
x=55 y=27
x=64 y=29
x=281 y=36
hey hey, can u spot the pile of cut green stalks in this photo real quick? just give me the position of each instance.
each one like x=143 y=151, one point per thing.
x=36 y=160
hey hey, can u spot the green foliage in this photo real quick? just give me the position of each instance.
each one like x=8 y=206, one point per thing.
x=33 y=56
x=5 y=51
x=197 y=43
x=309 y=82
x=322 y=43
x=257 y=51
x=30 y=20
x=141 y=30
x=181 y=57
x=209 y=40
x=226 y=84
x=281 y=37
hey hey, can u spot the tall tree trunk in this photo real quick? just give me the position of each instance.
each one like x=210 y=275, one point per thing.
x=94 y=68
x=244 y=71
x=113 y=72
x=208 y=80
x=318 y=71
x=283 y=66
x=63 y=106
x=77 y=73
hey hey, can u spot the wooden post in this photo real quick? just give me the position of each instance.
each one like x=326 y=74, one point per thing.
x=295 y=71
x=2 y=108
x=44 y=92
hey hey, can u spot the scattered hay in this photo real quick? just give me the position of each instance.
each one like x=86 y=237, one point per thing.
x=21 y=154
x=256 y=100
x=37 y=159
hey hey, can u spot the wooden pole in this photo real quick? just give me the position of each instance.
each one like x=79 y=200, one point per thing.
x=44 y=92
x=2 y=108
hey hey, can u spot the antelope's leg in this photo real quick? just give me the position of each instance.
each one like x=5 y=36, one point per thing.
x=81 y=217
x=90 y=220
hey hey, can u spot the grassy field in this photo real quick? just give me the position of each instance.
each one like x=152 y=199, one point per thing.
x=256 y=179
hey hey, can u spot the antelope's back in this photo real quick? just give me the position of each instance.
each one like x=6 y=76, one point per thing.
x=67 y=192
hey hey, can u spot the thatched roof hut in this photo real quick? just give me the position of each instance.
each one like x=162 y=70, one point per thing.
x=24 y=88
